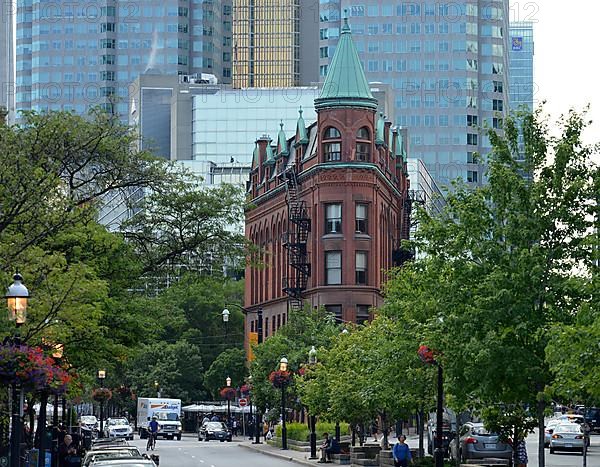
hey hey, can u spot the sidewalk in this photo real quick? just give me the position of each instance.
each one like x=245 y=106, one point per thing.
x=300 y=457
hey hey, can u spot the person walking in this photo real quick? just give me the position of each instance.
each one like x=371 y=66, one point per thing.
x=401 y=452
x=67 y=453
x=522 y=459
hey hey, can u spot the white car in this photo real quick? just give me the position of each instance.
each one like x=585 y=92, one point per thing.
x=549 y=429
x=118 y=428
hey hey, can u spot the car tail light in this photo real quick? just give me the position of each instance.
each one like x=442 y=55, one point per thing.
x=556 y=436
x=579 y=437
x=470 y=440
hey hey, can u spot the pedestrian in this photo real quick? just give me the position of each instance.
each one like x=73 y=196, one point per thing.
x=522 y=454
x=374 y=429
x=325 y=447
x=205 y=419
x=401 y=452
x=234 y=426
x=67 y=454
x=215 y=418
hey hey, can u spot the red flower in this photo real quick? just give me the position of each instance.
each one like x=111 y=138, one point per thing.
x=228 y=393
x=280 y=378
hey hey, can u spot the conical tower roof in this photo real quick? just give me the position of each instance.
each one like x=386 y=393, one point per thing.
x=346 y=84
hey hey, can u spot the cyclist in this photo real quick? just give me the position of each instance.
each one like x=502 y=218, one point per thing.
x=153 y=428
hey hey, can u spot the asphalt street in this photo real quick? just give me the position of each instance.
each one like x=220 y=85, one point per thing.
x=189 y=452
x=564 y=459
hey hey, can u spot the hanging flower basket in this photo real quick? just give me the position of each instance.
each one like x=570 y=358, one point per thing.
x=29 y=368
x=426 y=354
x=245 y=390
x=228 y=393
x=280 y=378
x=101 y=394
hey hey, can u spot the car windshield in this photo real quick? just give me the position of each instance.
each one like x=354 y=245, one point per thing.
x=118 y=421
x=481 y=431
x=89 y=419
x=215 y=426
x=168 y=416
x=571 y=428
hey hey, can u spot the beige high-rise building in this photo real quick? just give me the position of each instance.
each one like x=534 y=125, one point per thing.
x=275 y=43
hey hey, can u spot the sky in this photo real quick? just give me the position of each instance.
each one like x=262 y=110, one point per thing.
x=566 y=58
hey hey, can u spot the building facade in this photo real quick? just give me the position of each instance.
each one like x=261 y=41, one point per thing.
x=522 y=86
x=330 y=205
x=275 y=43
x=73 y=56
x=447 y=63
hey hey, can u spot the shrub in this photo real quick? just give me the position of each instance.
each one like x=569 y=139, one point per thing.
x=300 y=431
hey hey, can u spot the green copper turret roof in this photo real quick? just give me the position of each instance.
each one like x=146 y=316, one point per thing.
x=346 y=84
x=399 y=151
x=301 y=128
x=270 y=156
x=282 y=142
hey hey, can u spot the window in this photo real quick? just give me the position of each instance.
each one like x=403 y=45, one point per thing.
x=333 y=151
x=266 y=327
x=471 y=176
x=497 y=69
x=498 y=105
x=105 y=27
x=472 y=120
x=498 y=86
x=471 y=157
x=361 y=267
x=472 y=139
x=333 y=267
x=497 y=123
x=331 y=133
x=273 y=329
x=108 y=59
x=361 y=224
x=333 y=218
x=362 y=314
x=336 y=311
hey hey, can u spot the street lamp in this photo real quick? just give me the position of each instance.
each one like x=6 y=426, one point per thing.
x=312 y=361
x=228 y=383
x=427 y=356
x=283 y=365
x=249 y=383
x=225 y=314
x=17 y=297
x=101 y=377
x=157 y=388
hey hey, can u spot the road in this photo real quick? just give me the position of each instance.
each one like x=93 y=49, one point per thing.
x=190 y=453
x=564 y=459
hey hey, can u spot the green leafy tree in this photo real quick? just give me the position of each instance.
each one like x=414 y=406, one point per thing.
x=501 y=266
x=230 y=363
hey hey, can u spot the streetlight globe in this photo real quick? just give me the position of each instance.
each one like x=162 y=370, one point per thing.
x=101 y=374
x=312 y=355
x=16 y=298
x=228 y=381
x=283 y=364
x=225 y=315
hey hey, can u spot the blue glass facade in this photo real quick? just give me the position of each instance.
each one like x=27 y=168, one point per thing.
x=521 y=51
x=75 y=55
x=447 y=64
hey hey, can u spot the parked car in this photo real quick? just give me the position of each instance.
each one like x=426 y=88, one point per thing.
x=567 y=437
x=571 y=418
x=475 y=442
x=448 y=430
x=214 y=430
x=89 y=421
x=118 y=428
x=592 y=418
x=105 y=454
x=549 y=429
x=125 y=462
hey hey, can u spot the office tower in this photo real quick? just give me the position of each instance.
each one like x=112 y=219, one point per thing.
x=447 y=63
x=521 y=52
x=7 y=62
x=76 y=55
x=275 y=43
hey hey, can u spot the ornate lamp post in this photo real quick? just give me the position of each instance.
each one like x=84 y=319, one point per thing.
x=101 y=377
x=426 y=355
x=283 y=365
x=17 y=298
x=157 y=388
x=312 y=361
x=225 y=313
x=228 y=384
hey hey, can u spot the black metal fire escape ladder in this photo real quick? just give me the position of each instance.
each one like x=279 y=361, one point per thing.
x=295 y=242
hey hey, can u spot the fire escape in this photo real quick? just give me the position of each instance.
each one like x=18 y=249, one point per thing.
x=295 y=241
x=401 y=254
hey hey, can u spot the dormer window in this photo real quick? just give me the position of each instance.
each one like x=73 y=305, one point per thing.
x=363 y=144
x=332 y=149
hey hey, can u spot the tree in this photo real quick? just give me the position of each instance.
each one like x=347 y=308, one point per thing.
x=507 y=262
x=230 y=363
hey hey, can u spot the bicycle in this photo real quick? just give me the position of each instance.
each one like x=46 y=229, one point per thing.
x=151 y=444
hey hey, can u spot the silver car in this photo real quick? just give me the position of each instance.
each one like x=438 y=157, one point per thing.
x=475 y=442
x=549 y=429
x=567 y=437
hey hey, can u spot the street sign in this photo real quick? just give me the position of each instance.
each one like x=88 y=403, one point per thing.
x=243 y=402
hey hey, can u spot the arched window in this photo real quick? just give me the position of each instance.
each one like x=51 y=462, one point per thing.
x=332 y=144
x=363 y=144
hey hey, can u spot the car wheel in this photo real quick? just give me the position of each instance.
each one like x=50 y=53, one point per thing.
x=206 y=439
x=551 y=450
x=178 y=437
x=222 y=440
x=229 y=440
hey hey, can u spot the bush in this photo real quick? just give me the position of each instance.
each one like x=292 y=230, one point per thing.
x=300 y=431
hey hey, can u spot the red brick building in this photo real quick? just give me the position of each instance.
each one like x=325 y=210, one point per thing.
x=329 y=205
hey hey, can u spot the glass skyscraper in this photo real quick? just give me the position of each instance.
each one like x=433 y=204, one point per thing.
x=74 y=55
x=447 y=63
x=521 y=52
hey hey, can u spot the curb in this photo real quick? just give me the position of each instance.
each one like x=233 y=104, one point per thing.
x=279 y=455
